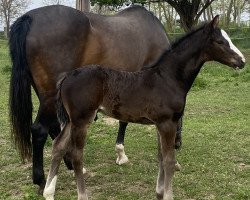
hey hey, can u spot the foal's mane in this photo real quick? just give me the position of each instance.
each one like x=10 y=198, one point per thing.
x=187 y=35
x=178 y=41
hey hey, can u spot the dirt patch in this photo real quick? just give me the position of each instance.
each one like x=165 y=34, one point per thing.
x=110 y=121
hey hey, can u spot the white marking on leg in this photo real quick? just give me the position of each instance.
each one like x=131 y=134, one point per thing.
x=232 y=46
x=49 y=190
x=168 y=195
x=84 y=171
x=82 y=197
x=177 y=166
x=160 y=184
x=122 y=158
x=62 y=125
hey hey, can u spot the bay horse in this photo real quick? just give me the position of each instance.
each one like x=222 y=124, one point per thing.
x=156 y=95
x=49 y=41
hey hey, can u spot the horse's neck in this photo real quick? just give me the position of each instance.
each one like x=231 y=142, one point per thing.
x=184 y=62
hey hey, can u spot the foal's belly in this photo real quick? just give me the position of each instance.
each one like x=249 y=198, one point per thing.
x=125 y=116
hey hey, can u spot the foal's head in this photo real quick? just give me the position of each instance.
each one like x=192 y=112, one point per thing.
x=219 y=46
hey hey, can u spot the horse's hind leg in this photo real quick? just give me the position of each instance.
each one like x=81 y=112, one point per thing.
x=60 y=147
x=178 y=139
x=46 y=122
x=122 y=158
x=39 y=137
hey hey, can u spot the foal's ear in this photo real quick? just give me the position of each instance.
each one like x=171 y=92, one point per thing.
x=213 y=24
x=215 y=21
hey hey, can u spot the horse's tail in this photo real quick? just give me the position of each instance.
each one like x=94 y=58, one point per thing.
x=62 y=114
x=20 y=102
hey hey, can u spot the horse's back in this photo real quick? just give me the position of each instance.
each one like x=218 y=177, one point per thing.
x=62 y=38
x=131 y=39
x=55 y=43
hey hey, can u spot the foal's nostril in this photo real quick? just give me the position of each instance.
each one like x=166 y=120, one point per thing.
x=242 y=64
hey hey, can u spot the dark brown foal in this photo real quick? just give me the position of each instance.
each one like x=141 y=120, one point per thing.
x=153 y=96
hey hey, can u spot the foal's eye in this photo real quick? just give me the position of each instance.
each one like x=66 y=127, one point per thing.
x=219 y=42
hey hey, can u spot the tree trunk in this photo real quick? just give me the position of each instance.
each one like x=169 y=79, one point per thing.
x=238 y=17
x=159 y=9
x=83 y=5
x=229 y=11
x=189 y=11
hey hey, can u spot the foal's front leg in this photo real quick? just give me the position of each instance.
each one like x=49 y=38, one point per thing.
x=167 y=164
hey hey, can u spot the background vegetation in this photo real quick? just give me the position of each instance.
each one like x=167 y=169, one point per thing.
x=215 y=155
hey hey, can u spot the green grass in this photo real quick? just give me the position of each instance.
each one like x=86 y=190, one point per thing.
x=215 y=156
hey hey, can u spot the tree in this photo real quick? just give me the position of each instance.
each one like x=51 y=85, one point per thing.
x=116 y=4
x=10 y=9
x=189 y=11
x=56 y=2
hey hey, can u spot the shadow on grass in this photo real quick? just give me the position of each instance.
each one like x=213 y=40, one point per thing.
x=6 y=70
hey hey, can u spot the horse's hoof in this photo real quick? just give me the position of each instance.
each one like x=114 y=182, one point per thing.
x=177 y=166
x=122 y=160
x=41 y=188
x=178 y=144
x=40 y=191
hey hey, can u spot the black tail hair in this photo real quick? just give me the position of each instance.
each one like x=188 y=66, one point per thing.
x=20 y=102
x=62 y=114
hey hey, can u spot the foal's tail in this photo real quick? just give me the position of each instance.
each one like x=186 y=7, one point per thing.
x=20 y=103
x=62 y=114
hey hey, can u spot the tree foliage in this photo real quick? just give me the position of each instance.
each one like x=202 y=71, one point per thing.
x=10 y=9
x=189 y=11
x=116 y=3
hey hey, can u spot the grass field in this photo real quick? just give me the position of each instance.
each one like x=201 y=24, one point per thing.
x=215 y=156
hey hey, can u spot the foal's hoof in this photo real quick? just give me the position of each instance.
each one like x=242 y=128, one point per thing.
x=159 y=196
x=177 y=166
x=178 y=143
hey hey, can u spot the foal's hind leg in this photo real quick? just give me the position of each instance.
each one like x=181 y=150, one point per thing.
x=78 y=142
x=59 y=149
x=54 y=131
x=119 y=147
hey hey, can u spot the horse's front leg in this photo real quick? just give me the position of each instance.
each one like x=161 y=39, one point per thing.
x=167 y=133
x=119 y=147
